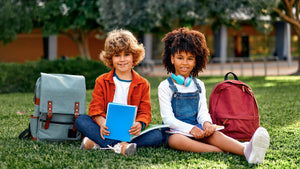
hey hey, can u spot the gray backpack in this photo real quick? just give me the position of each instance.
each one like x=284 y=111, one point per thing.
x=59 y=100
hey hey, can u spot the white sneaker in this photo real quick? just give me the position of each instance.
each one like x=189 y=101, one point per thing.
x=124 y=148
x=130 y=149
x=88 y=144
x=256 y=149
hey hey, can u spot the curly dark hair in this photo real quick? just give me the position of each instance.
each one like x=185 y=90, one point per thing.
x=185 y=40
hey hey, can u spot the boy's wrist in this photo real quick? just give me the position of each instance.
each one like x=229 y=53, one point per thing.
x=143 y=124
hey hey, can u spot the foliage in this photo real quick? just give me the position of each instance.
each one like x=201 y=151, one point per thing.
x=135 y=15
x=279 y=109
x=61 y=16
x=234 y=12
x=16 y=77
x=78 y=18
x=163 y=16
x=187 y=13
x=75 y=19
x=15 y=17
x=151 y=15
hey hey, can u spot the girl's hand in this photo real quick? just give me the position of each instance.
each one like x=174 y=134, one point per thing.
x=197 y=133
x=208 y=128
x=103 y=130
x=136 y=128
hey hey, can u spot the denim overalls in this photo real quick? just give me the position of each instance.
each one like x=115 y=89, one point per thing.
x=185 y=105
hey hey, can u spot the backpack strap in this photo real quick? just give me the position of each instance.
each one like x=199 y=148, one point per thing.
x=25 y=134
x=49 y=115
x=76 y=114
x=226 y=76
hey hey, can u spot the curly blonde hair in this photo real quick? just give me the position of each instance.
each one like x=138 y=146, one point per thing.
x=121 y=40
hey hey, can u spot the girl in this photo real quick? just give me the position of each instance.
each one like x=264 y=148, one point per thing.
x=121 y=85
x=183 y=102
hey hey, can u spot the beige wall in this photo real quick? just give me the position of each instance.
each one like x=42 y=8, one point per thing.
x=29 y=47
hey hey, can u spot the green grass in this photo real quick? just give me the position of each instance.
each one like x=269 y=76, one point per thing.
x=279 y=108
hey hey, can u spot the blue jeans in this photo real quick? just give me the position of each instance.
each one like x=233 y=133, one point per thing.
x=87 y=126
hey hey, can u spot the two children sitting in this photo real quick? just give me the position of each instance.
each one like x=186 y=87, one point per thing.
x=182 y=99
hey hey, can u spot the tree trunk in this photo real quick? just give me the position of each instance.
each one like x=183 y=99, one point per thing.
x=83 y=48
x=80 y=38
x=81 y=41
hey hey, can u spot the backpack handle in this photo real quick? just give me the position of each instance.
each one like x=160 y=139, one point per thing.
x=226 y=76
x=26 y=133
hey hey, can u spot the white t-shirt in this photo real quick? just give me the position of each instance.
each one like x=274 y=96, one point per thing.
x=165 y=96
x=122 y=88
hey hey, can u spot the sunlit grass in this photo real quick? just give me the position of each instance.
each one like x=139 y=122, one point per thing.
x=279 y=109
x=284 y=78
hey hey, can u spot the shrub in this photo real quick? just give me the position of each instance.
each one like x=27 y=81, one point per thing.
x=16 y=77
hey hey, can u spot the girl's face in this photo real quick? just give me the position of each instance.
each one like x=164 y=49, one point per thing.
x=123 y=62
x=184 y=63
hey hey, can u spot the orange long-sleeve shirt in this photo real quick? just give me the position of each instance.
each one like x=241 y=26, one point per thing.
x=138 y=95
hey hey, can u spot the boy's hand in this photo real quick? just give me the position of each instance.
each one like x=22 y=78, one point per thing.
x=197 y=133
x=136 y=128
x=103 y=130
x=208 y=128
x=101 y=121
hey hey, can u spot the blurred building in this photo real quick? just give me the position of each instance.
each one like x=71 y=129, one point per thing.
x=32 y=47
x=245 y=42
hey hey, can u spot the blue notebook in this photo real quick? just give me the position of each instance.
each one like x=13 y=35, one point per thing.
x=119 y=120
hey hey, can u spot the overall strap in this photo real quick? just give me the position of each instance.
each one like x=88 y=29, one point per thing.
x=198 y=86
x=172 y=86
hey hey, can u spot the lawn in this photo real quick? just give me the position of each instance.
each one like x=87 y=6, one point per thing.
x=279 y=108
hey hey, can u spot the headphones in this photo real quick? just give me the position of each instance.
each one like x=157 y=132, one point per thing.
x=181 y=80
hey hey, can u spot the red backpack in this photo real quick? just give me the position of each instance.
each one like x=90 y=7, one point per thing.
x=233 y=105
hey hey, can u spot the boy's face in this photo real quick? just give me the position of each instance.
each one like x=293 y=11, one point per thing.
x=184 y=63
x=122 y=62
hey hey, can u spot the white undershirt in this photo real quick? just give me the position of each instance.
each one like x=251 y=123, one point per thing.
x=122 y=88
x=166 y=111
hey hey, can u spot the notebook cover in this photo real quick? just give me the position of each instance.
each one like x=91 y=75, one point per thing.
x=119 y=120
x=150 y=128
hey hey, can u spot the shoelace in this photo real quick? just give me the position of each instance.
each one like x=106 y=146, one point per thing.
x=116 y=148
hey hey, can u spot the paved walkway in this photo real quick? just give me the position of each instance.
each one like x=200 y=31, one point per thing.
x=270 y=68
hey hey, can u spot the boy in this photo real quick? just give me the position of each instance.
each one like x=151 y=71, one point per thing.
x=121 y=85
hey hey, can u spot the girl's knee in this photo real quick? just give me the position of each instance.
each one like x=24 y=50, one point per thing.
x=175 y=140
x=217 y=134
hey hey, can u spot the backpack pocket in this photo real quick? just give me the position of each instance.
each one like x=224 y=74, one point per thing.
x=241 y=129
x=33 y=126
x=61 y=127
